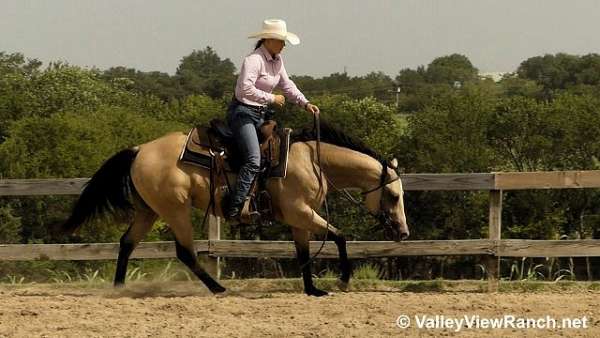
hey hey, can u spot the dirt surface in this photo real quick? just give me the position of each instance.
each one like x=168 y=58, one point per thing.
x=185 y=309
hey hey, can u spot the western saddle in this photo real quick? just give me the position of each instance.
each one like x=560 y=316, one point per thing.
x=213 y=147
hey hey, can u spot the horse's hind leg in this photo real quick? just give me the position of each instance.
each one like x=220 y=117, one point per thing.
x=143 y=220
x=181 y=225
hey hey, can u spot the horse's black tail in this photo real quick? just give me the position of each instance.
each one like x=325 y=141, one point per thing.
x=108 y=191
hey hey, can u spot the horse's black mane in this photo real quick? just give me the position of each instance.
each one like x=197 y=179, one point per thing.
x=332 y=135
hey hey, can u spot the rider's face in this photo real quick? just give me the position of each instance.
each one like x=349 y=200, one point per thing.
x=274 y=46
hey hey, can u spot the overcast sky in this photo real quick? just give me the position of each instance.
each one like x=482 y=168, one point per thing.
x=361 y=35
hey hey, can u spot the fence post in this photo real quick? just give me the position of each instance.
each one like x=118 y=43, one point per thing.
x=211 y=264
x=495 y=228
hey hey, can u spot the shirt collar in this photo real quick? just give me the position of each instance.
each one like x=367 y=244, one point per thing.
x=267 y=55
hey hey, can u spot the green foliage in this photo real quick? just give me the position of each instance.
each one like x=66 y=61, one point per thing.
x=450 y=135
x=531 y=135
x=366 y=271
x=203 y=72
x=16 y=63
x=451 y=68
x=521 y=132
x=195 y=110
x=15 y=73
x=529 y=269
x=442 y=77
x=374 y=84
x=513 y=85
x=10 y=226
x=561 y=71
x=159 y=84
x=366 y=119
x=62 y=88
x=68 y=145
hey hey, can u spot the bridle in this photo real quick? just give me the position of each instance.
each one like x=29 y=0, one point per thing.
x=383 y=216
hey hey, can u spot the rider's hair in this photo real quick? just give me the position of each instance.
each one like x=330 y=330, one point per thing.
x=259 y=43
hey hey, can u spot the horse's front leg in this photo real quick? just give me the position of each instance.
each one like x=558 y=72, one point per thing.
x=301 y=239
x=310 y=221
x=345 y=264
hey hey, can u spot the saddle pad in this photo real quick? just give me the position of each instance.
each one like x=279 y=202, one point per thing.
x=281 y=169
x=197 y=151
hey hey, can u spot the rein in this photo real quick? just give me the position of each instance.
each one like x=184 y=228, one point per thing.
x=317 y=124
x=381 y=185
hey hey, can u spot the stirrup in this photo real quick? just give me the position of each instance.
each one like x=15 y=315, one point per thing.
x=247 y=215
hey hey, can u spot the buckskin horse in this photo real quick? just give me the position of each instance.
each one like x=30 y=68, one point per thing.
x=149 y=181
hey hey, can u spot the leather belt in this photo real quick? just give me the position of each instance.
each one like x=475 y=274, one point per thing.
x=258 y=109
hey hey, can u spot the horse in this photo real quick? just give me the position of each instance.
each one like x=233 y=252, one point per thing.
x=149 y=181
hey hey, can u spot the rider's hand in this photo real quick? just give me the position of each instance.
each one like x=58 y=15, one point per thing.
x=311 y=108
x=279 y=100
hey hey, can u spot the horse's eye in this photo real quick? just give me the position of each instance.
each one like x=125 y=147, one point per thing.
x=394 y=198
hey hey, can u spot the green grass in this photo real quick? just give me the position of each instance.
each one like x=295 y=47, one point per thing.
x=366 y=271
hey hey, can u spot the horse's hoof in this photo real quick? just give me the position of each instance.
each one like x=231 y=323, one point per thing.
x=316 y=292
x=217 y=289
x=343 y=286
x=224 y=294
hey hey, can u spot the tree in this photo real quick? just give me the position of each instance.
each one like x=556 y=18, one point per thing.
x=205 y=73
x=513 y=85
x=16 y=63
x=15 y=75
x=66 y=144
x=159 y=84
x=422 y=86
x=451 y=68
x=562 y=71
x=10 y=226
x=194 y=110
x=409 y=80
x=373 y=122
x=374 y=84
x=450 y=135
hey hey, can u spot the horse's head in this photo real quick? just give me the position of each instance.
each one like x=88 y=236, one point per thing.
x=386 y=201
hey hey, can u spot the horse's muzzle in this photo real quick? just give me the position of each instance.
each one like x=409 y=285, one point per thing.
x=402 y=236
x=402 y=231
x=399 y=232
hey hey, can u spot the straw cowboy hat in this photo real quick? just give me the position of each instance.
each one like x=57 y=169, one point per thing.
x=276 y=29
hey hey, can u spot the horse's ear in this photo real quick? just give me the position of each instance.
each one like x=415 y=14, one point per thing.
x=393 y=164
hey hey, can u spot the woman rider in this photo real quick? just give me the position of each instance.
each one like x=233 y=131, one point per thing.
x=261 y=72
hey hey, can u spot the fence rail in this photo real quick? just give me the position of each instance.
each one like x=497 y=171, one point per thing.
x=493 y=247
x=286 y=249
x=411 y=182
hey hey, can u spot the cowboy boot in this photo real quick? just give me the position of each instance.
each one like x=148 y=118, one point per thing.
x=231 y=212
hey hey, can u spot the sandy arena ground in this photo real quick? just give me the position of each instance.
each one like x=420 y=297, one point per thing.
x=185 y=309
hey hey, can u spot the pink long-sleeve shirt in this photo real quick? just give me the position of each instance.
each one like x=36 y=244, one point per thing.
x=260 y=75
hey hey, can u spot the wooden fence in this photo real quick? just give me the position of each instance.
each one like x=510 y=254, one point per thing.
x=492 y=247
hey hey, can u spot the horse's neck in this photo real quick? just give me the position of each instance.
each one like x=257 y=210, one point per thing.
x=347 y=168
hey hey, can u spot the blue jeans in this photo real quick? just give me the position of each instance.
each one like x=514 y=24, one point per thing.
x=245 y=123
